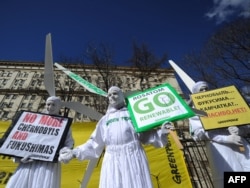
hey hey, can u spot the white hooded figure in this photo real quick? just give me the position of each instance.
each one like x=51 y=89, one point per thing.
x=222 y=145
x=124 y=164
x=41 y=174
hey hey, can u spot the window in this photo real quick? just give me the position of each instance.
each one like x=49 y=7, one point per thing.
x=9 y=74
x=36 y=75
x=39 y=83
x=5 y=81
x=5 y=114
x=78 y=116
x=10 y=104
x=26 y=97
x=5 y=74
x=87 y=98
x=16 y=82
x=80 y=98
x=33 y=82
x=21 y=82
x=7 y=96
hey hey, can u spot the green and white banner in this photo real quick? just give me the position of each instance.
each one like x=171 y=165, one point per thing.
x=154 y=106
x=90 y=87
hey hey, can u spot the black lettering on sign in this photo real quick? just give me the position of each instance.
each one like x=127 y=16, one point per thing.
x=4 y=177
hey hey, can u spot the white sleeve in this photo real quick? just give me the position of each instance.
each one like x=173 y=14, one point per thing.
x=69 y=141
x=196 y=129
x=217 y=135
x=154 y=137
x=93 y=147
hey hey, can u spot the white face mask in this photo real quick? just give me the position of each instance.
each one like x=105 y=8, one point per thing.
x=52 y=107
x=200 y=86
x=203 y=89
x=116 y=98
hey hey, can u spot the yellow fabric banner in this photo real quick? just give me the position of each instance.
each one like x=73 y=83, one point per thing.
x=176 y=170
x=167 y=165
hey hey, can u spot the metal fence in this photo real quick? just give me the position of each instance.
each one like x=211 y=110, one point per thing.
x=196 y=159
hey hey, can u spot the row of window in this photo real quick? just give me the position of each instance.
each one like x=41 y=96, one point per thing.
x=14 y=96
x=19 y=83
x=10 y=105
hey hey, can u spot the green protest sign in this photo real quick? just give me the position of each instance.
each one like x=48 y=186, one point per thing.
x=154 y=106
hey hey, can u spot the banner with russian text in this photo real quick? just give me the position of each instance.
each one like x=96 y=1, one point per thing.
x=224 y=107
x=36 y=135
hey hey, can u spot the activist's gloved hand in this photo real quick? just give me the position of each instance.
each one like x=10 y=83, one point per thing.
x=233 y=130
x=26 y=159
x=166 y=126
x=234 y=139
x=65 y=155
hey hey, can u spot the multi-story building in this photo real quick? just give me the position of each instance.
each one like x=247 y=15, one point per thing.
x=22 y=86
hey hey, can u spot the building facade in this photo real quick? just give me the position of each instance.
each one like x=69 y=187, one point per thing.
x=22 y=86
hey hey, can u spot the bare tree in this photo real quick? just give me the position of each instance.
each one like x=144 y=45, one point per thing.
x=145 y=62
x=101 y=56
x=230 y=49
x=225 y=58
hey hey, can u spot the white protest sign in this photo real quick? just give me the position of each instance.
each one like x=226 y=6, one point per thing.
x=154 y=106
x=36 y=135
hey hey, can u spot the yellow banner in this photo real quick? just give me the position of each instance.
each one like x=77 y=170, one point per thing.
x=176 y=170
x=167 y=165
x=225 y=107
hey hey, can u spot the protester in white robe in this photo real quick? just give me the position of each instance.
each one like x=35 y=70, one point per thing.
x=222 y=145
x=124 y=164
x=40 y=174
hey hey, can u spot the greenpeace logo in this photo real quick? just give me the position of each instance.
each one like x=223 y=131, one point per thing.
x=228 y=120
x=4 y=177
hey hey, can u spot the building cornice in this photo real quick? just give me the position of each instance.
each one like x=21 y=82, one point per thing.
x=73 y=66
